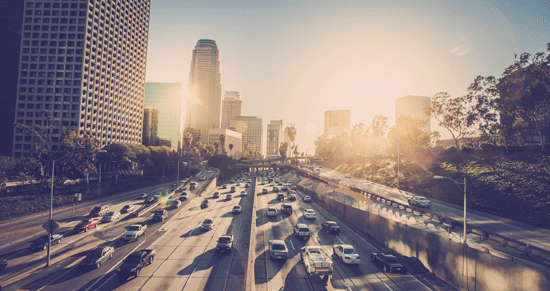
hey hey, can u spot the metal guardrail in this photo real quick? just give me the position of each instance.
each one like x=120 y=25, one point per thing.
x=526 y=248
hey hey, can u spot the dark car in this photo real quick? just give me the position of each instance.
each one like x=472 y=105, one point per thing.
x=3 y=263
x=97 y=257
x=205 y=204
x=389 y=263
x=216 y=195
x=224 y=186
x=149 y=200
x=265 y=191
x=281 y=197
x=286 y=208
x=160 y=215
x=237 y=209
x=132 y=265
x=42 y=243
x=99 y=211
x=225 y=244
x=127 y=209
x=228 y=197
x=331 y=227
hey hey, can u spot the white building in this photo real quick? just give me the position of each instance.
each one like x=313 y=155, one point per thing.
x=233 y=141
x=232 y=106
x=251 y=129
x=274 y=137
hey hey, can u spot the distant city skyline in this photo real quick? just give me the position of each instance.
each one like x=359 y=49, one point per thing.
x=167 y=99
x=296 y=60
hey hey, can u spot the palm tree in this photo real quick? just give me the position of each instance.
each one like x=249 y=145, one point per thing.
x=230 y=149
x=222 y=142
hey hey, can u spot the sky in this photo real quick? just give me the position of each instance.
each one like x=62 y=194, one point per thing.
x=294 y=60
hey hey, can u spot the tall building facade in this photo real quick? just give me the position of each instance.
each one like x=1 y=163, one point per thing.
x=274 y=137
x=166 y=98
x=11 y=24
x=413 y=106
x=84 y=61
x=204 y=102
x=150 y=127
x=232 y=106
x=337 y=122
x=251 y=129
x=233 y=144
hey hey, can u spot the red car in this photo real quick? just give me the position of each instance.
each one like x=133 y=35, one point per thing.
x=86 y=224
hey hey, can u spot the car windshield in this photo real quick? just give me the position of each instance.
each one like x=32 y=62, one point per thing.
x=421 y=198
x=95 y=253
x=278 y=246
x=207 y=221
x=349 y=251
x=304 y=229
x=225 y=240
x=126 y=207
x=132 y=259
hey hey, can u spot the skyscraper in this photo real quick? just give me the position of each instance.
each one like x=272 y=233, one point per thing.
x=204 y=102
x=251 y=129
x=150 y=126
x=84 y=62
x=413 y=106
x=167 y=99
x=336 y=122
x=232 y=106
x=274 y=137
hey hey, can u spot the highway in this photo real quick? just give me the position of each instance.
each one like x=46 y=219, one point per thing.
x=186 y=257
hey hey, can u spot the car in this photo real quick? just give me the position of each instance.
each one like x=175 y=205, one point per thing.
x=207 y=224
x=142 y=196
x=225 y=244
x=346 y=253
x=205 y=203
x=331 y=227
x=233 y=189
x=86 y=224
x=286 y=208
x=275 y=189
x=193 y=185
x=111 y=216
x=243 y=193
x=420 y=201
x=99 y=211
x=160 y=215
x=41 y=244
x=96 y=257
x=175 y=204
x=228 y=197
x=277 y=249
x=247 y=185
x=237 y=209
x=202 y=178
x=281 y=197
x=238 y=184
x=271 y=211
x=293 y=187
x=347 y=175
x=224 y=186
x=184 y=196
x=3 y=263
x=310 y=214
x=265 y=191
x=284 y=188
x=149 y=200
x=389 y=263
x=301 y=230
x=307 y=198
x=127 y=209
x=216 y=195
x=292 y=197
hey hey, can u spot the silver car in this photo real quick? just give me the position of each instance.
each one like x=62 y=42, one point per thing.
x=419 y=201
x=277 y=249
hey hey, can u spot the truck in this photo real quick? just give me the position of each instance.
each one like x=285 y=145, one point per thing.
x=135 y=231
x=315 y=261
x=132 y=265
x=86 y=224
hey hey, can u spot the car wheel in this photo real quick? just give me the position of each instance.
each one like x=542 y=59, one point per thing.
x=150 y=260
x=44 y=248
x=58 y=241
x=97 y=265
x=86 y=229
x=111 y=256
x=137 y=272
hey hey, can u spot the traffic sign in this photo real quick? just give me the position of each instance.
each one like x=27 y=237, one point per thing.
x=54 y=225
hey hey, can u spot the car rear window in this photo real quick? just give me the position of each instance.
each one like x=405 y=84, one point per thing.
x=278 y=247
x=303 y=229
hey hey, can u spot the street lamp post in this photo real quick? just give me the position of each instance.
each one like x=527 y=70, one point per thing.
x=465 y=228
x=163 y=170
x=178 y=178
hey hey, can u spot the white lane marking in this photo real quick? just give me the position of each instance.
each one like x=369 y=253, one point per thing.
x=292 y=245
x=112 y=268
x=340 y=239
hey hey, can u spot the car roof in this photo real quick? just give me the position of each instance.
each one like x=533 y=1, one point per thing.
x=330 y=222
x=347 y=246
x=310 y=210
x=278 y=241
x=301 y=225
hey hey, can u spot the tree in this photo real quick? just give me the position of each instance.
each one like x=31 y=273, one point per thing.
x=454 y=114
x=222 y=142
x=230 y=149
x=282 y=150
x=187 y=141
x=409 y=137
x=80 y=152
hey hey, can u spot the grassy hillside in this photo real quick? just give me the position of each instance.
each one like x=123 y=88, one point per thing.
x=515 y=186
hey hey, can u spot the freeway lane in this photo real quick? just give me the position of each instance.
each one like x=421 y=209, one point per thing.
x=186 y=257
x=290 y=274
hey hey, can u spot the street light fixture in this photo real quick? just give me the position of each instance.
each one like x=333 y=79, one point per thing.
x=464 y=243
x=48 y=262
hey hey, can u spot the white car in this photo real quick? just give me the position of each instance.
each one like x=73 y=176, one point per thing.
x=307 y=198
x=310 y=213
x=420 y=201
x=207 y=224
x=243 y=193
x=271 y=211
x=111 y=216
x=346 y=253
x=347 y=175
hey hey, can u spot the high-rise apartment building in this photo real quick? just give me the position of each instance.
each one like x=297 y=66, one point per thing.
x=274 y=137
x=11 y=21
x=251 y=129
x=204 y=102
x=413 y=106
x=337 y=122
x=232 y=106
x=166 y=98
x=84 y=61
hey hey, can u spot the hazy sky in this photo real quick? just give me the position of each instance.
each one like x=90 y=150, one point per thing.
x=293 y=60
